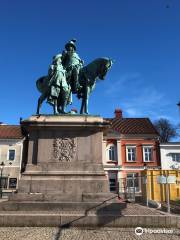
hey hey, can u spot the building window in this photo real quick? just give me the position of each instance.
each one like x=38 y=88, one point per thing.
x=147 y=153
x=133 y=181
x=4 y=182
x=111 y=153
x=131 y=154
x=175 y=157
x=112 y=181
x=11 y=154
x=12 y=182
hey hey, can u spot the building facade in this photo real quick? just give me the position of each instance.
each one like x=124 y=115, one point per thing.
x=11 y=145
x=130 y=146
x=170 y=156
x=156 y=191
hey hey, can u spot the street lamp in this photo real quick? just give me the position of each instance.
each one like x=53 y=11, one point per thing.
x=146 y=183
x=1 y=169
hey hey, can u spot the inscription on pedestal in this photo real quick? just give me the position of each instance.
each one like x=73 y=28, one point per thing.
x=64 y=149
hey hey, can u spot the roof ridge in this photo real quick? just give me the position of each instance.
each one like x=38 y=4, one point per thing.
x=11 y=132
x=10 y=125
x=128 y=118
x=133 y=126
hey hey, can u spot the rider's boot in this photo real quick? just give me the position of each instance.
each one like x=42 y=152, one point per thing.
x=64 y=107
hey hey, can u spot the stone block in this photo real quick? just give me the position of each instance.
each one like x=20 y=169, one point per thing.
x=30 y=220
x=64 y=159
x=162 y=221
x=178 y=222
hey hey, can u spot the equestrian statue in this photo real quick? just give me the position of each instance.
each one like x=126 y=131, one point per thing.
x=67 y=75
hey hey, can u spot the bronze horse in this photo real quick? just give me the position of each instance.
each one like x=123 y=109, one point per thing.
x=88 y=76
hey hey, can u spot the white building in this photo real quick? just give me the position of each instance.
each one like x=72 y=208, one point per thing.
x=170 y=156
x=11 y=145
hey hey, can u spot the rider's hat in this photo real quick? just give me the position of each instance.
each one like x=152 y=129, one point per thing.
x=71 y=43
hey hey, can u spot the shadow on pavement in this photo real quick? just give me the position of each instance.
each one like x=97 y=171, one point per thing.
x=103 y=213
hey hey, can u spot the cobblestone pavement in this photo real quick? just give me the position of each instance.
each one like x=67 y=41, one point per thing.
x=137 y=209
x=35 y=233
x=130 y=209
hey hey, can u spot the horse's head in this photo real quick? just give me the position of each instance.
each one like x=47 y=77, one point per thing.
x=96 y=69
x=105 y=65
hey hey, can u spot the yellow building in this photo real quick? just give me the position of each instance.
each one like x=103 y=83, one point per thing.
x=156 y=191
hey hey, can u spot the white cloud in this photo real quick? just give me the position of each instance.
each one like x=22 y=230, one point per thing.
x=119 y=85
x=132 y=112
x=139 y=98
x=146 y=102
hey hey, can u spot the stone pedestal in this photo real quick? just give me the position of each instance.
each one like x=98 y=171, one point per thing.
x=64 y=160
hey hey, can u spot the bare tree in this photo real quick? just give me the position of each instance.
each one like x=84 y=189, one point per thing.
x=165 y=129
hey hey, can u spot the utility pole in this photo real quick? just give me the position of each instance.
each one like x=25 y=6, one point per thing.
x=167 y=194
x=1 y=168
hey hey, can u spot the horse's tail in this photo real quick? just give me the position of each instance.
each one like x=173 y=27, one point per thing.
x=41 y=84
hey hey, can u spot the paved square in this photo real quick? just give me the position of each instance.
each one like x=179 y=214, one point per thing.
x=32 y=233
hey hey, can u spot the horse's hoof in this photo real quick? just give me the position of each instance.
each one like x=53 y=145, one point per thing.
x=62 y=112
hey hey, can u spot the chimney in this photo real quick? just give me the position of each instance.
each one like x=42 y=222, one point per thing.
x=118 y=113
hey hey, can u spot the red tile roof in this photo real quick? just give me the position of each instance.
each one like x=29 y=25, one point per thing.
x=133 y=125
x=10 y=132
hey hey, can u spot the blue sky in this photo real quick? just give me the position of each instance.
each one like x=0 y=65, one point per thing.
x=142 y=36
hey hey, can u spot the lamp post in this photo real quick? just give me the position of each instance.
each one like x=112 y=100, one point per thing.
x=167 y=193
x=1 y=169
x=146 y=183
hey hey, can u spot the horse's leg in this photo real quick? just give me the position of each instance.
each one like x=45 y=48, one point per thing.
x=40 y=101
x=82 y=111
x=55 y=107
x=86 y=100
x=82 y=97
x=59 y=107
x=82 y=105
x=38 y=106
x=86 y=105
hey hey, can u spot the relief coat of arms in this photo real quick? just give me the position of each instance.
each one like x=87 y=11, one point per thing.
x=64 y=149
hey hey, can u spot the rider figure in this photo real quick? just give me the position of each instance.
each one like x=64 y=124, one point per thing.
x=57 y=83
x=72 y=63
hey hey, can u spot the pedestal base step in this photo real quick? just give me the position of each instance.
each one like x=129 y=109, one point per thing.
x=63 y=197
x=54 y=207
x=27 y=219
